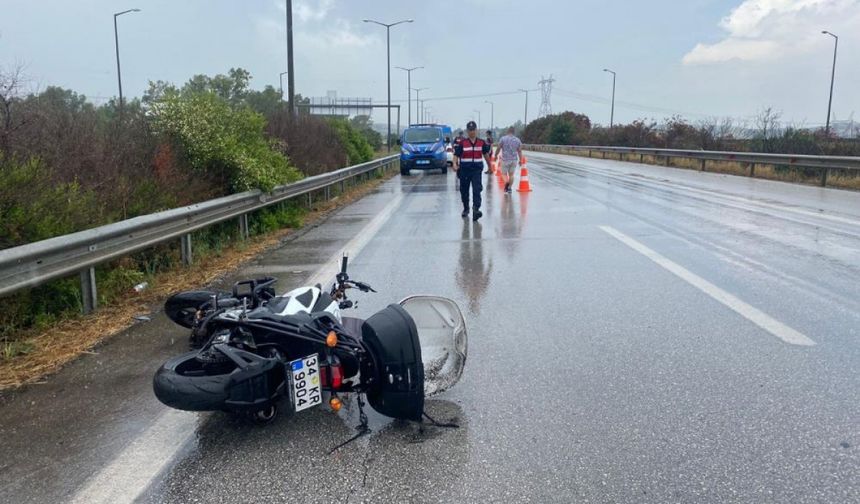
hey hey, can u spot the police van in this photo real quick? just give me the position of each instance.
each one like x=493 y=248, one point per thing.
x=423 y=147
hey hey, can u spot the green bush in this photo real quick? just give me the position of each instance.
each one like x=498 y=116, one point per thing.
x=559 y=129
x=271 y=218
x=358 y=149
x=38 y=307
x=33 y=207
x=221 y=140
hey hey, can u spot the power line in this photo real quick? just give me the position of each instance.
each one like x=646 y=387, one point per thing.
x=467 y=97
x=631 y=105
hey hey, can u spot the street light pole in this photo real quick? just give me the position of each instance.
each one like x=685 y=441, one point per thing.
x=388 y=53
x=492 y=115
x=419 y=111
x=281 y=80
x=409 y=90
x=291 y=81
x=612 y=113
x=479 y=117
x=526 y=114
x=832 y=78
x=116 y=42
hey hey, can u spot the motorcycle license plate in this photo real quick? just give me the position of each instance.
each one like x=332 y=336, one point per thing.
x=422 y=161
x=305 y=382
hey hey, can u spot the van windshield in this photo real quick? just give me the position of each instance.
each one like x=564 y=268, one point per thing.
x=422 y=135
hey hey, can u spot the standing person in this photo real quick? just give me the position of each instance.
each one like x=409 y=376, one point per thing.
x=490 y=143
x=469 y=155
x=459 y=138
x=512 y=157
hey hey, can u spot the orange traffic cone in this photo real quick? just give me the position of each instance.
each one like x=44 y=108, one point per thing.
x=525 y=186
x=492 y=167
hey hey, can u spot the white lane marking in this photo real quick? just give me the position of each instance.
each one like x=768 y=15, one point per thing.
x=332 y=267
x=754 y=315
x=131 y=472
x=739 y=199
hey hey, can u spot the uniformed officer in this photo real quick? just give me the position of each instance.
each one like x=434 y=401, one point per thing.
x=469 y=157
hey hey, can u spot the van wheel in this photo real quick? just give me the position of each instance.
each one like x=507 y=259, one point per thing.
x=404 y=172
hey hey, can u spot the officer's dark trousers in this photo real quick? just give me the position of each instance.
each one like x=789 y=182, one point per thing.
x=471 y=177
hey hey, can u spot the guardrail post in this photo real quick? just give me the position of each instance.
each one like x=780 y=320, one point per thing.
x=342 y=186
x=89 y=294
x=823 y=182
x=310 y=203
x=589 y=152
x=244 y=228
x=641 y=158
x=327 y=193
x=185 y=249
x=752 y=170
x=702 y=165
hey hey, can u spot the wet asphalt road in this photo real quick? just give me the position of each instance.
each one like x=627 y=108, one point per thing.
x=595 y=372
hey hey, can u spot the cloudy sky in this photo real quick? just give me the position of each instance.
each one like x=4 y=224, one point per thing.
x=697 y=58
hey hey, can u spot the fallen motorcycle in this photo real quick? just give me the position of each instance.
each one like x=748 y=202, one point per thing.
x=253 y=351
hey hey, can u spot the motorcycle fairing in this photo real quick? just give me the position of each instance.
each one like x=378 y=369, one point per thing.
x=304 y=300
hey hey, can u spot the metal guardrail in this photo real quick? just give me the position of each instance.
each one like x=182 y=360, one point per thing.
x=35 y=263
x=823 y=163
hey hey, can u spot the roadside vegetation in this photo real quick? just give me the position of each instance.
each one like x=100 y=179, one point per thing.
x=67 y=164
x=766 y=133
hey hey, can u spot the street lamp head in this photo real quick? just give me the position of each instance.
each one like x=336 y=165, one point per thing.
x=387 y=25
x=135 y=10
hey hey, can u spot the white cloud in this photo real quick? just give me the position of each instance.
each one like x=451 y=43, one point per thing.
x=761 y=30
x=337 y=35
x=312 y=10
